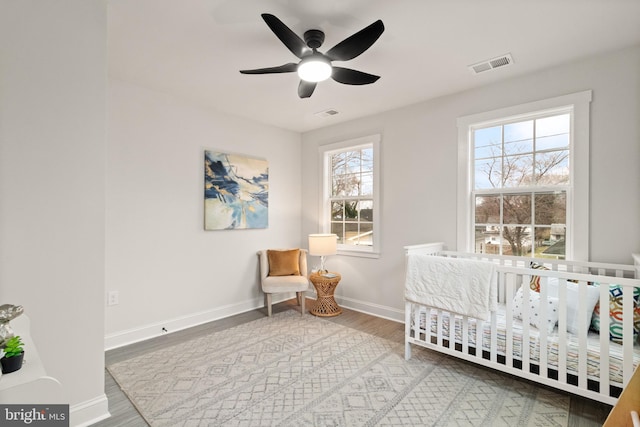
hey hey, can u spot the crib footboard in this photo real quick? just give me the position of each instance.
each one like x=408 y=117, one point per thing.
x=552 y=344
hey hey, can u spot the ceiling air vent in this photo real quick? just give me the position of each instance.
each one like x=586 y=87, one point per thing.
x=491 y=64
x=326 y=113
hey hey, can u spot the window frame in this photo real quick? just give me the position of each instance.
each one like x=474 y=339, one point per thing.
x=325 y=151
x=577 y=238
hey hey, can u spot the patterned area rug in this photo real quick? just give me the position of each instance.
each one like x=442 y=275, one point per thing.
x=292 y=370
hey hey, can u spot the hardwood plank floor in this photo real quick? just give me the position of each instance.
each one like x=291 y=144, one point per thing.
x=583 y=412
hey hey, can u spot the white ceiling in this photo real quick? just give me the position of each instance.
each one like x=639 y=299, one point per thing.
x=194 y=49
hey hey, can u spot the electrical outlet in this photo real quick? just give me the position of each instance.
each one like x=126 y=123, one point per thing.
x=112 y=298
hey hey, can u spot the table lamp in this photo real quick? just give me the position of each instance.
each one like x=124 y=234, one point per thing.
x=322 y=245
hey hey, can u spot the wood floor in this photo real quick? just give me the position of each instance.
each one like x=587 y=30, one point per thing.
x=583 y=413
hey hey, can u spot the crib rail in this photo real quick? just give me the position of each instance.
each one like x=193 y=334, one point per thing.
x=569 y=357
x=585 y=267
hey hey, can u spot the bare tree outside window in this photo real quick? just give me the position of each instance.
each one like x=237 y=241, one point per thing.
x=521 y=171
x=351 y=197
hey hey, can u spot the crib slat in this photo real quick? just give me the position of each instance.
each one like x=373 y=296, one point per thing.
x=479 y=337
x=582 y=340
x=501 y=289
x=439 y=321
x=526 y=337
x=453 y=325
x=416 y=321
x=510 y=286
x=465 y=334
x=604 y=337
x=493 y=338
x=627 y=332
x=493 y=353
x=562 y=334
x=543 y=331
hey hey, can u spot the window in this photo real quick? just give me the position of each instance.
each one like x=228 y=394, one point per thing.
x=525 y=191
x=350 y=203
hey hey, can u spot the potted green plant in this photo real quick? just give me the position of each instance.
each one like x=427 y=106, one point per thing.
x=13 y=355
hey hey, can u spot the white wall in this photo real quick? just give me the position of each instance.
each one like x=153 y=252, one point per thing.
x=419 y=168
x=168 y=271
x=52 y=187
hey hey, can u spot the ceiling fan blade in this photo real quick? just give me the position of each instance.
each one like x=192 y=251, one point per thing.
x=286 y=68
x=290 y=39
x=352 y=77
x=353 y=46
x=305 y=89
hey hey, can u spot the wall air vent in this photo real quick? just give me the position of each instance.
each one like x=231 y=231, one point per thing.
x=491 y=64
x=326 y=113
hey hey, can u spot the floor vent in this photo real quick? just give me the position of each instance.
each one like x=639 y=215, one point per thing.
x=491 y=64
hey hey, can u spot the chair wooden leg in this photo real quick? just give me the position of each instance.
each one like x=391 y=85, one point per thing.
x=301 y=303
x=267 y=302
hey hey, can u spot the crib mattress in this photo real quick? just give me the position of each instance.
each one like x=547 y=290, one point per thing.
x=593 y=343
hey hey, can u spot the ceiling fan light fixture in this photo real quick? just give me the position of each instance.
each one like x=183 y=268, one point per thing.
x=314 y=68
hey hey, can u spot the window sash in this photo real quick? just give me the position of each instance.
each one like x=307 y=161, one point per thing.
x=533 y=227
x=504 y=146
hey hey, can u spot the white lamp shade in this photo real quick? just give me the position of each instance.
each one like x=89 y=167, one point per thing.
x=323 y=244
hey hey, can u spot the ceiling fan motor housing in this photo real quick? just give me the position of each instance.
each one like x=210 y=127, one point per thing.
x=314 y=38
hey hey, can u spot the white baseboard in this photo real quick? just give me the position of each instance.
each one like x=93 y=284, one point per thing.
x=89 y=412
x=134 y=335
x=377 y=310
x=142 y=333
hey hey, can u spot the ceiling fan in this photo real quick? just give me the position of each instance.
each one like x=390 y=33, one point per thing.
x=315 y=66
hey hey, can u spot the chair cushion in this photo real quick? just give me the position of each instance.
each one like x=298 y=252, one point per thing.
x=284 y=263
x=275 y=284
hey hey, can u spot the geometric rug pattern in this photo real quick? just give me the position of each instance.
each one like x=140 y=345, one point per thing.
x=292 y=370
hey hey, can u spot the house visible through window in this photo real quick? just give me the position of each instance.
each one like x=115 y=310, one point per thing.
x=527 y=175
x=350 y=202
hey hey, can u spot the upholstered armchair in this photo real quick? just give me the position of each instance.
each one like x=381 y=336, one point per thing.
x=283 y=270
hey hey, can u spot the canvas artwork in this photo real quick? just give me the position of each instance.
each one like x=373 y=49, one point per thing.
x=236 y=191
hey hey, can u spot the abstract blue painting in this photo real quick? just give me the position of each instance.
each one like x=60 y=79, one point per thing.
x=236 y=191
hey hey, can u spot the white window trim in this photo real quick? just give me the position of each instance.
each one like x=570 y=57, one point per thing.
x=578 y=196
x=325 y=190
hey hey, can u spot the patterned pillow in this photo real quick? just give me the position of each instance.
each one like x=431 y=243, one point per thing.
x=534 y=284
x=534 y=310
x=615 y=313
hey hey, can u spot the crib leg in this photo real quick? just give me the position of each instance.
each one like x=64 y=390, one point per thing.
x=407 y=329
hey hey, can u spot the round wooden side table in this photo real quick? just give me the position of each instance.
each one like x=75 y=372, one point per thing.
x=325 y=305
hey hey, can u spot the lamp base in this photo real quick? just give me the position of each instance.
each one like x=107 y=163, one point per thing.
x=322 y=269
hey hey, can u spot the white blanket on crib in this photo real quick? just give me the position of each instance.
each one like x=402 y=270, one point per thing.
x=461 y=286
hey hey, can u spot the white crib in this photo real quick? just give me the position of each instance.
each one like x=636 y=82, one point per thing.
x=574 y=361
